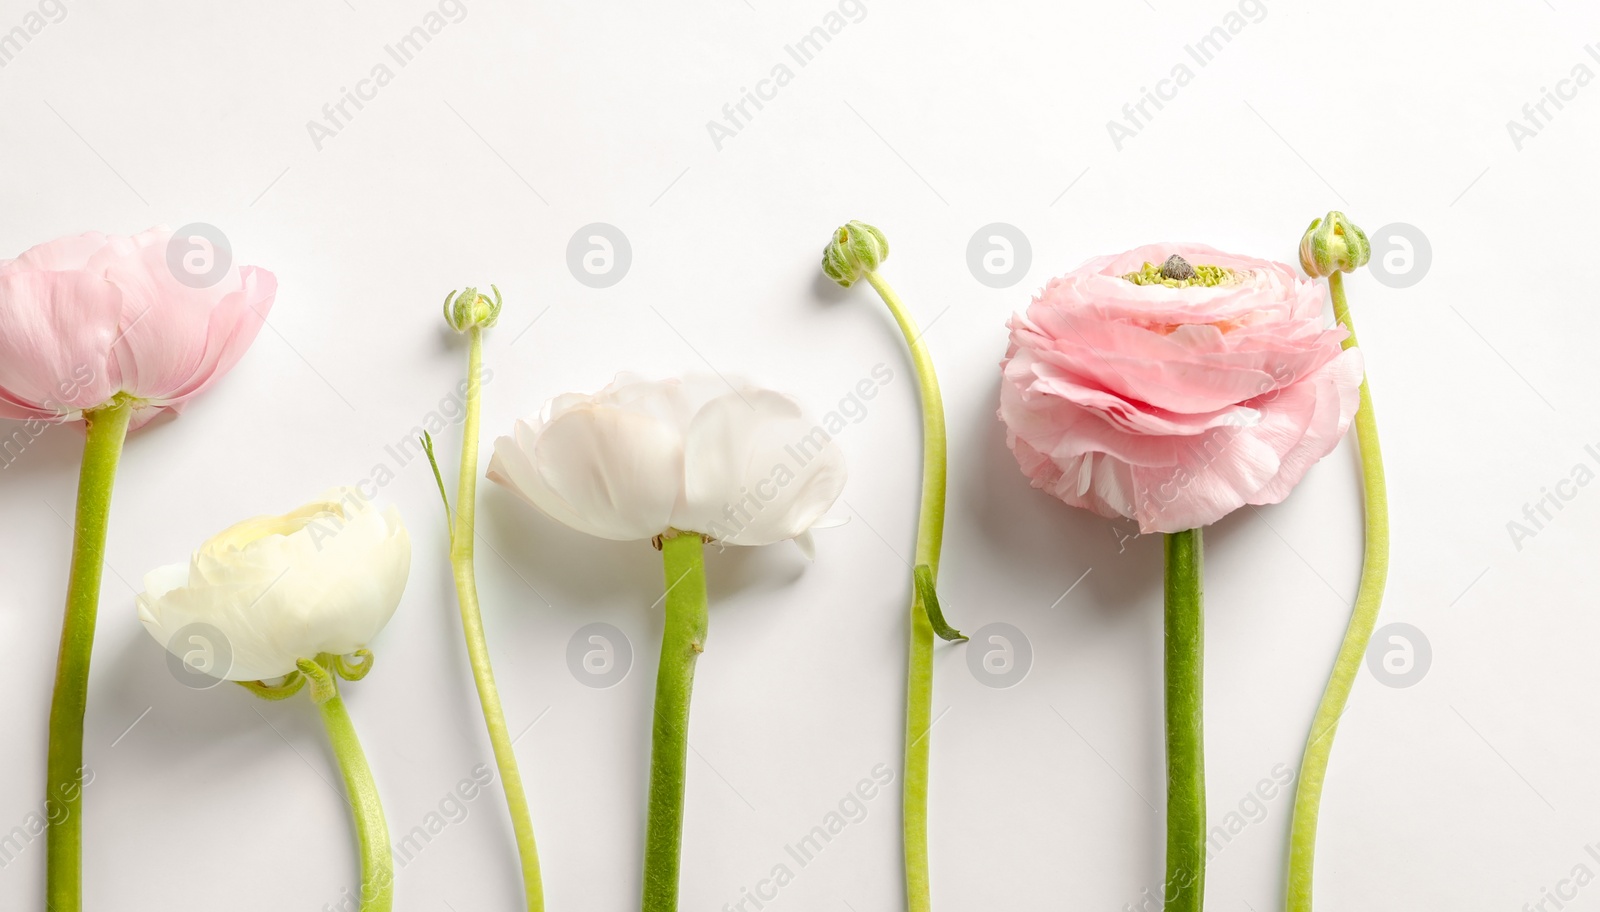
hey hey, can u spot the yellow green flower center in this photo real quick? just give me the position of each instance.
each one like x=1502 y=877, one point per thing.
x=1177 y=273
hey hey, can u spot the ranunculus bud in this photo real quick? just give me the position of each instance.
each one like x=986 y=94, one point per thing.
x=1333 y=244
x=856 y=249
x=470 y=309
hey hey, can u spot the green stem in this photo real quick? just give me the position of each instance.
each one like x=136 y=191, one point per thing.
x=107 y=428
x=1369 y=597
x=1186 y=749
x=919 y=672
x=372 y=832
x=461 y=560
x=682 y=640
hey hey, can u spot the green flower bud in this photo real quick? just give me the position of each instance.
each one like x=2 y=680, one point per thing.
x=856 y=249
x=470 y=309
x=1333 y=244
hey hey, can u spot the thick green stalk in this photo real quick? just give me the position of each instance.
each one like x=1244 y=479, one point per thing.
x=107 y=428
x=683 y=638
x=1186 y=749
x=461 y=560
x=1369 y=597
x=372 y=832
x=919 y=673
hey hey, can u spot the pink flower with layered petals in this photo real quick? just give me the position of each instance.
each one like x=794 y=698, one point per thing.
x=1175 y=406
x=85 y=318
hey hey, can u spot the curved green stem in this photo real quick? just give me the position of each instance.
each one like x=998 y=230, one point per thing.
x=1369 y=597
x=1186 y=748
x=461 y=560
x=372 y=832
x=919 y=674
x=107 y=428
x=682 y=640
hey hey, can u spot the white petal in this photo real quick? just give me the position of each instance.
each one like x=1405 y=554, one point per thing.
x=161 y=580
x=610 y=472
x=756 y=470
x=831 y=521
x=806 y=544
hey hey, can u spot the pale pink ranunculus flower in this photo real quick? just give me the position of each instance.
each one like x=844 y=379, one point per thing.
x=1174 y=406
x=85 y=318
x=720 y=456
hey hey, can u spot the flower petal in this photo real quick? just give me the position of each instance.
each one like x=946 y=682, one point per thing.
x=610 y=472
x=67 y=254
x=756 y=470
x=56 y=333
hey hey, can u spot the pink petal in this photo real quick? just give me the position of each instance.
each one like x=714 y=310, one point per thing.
x=234 y=325
x=167 y=324
x=60 y=255
x=56 y=333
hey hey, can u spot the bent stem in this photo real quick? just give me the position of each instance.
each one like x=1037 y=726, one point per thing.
x=372 y=831
x=1186 y=763
x=107 y=428
x=1364 y=616
x=919 y=671
x=461 y=561
x=682 y=640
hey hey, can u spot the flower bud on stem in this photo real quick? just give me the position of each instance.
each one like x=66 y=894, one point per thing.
x=1331 y=246
x=470 y=313
x=856 y=250
x=470 y=310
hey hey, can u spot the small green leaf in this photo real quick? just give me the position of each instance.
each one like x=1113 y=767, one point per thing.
x=449 y=518
x=930 y=603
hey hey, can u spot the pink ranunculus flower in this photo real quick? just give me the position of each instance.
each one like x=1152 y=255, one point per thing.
x=85 y=318
x=1174 y=404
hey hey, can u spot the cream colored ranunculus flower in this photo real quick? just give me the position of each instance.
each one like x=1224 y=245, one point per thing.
x=323 y=579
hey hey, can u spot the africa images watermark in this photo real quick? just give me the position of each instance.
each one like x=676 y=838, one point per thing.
x=34 y=22
x=1536 y=115
x=452 y=810
x=31 y=429
x=851 y=409
x=336 y=115
x=850 y=810
x=1566 y=889
x=736 y=114
x=1136 y=115
x=54 y=812
x=451 y=411
x=1203 y=452
x=1537 y=514
x=1250 y=811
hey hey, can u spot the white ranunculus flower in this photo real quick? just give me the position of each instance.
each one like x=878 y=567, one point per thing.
x=738 y=463
x=322 y=579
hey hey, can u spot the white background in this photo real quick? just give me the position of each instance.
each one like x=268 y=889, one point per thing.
x=1473 y=789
